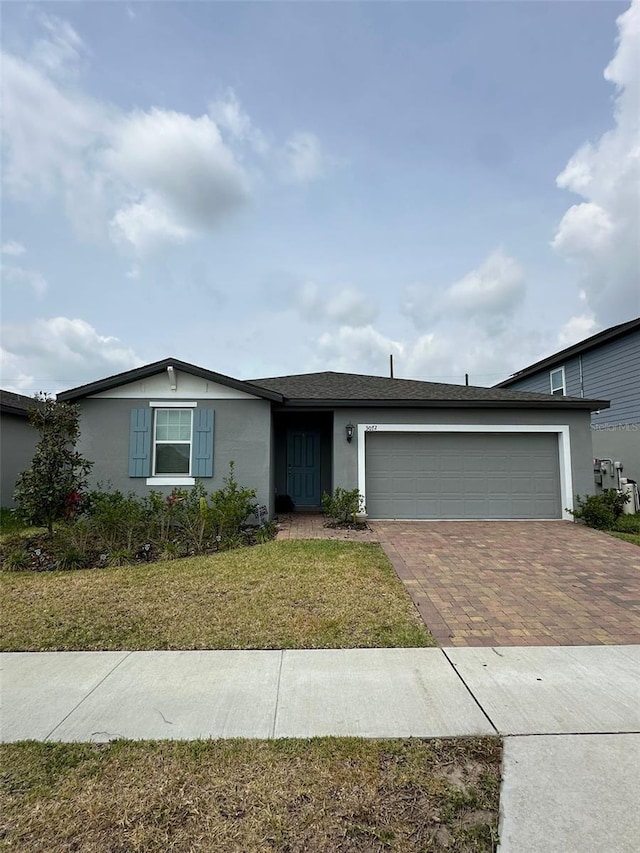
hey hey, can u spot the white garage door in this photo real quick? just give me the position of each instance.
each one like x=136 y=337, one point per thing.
x=462 y=475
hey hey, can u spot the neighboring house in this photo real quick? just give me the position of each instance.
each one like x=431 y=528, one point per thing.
x=18 y=441
x=604 y=365
x=413 y=449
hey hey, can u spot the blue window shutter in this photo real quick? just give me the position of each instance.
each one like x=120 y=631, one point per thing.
x=140 y=443
x=202 y=451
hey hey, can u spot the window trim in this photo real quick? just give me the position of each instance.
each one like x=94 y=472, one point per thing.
x=168 y=479
x=559 y=390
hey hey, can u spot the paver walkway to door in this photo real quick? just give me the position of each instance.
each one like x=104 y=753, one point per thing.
x=538 y=583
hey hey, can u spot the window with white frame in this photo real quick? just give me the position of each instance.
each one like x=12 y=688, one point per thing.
x=557 y=381
x=172 y=442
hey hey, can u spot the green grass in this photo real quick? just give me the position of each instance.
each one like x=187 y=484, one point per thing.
x=11 y=525
x=292 y=796
x=627 y=537
x=286 y=594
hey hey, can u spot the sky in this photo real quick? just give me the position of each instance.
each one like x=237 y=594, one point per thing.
x=267 y=188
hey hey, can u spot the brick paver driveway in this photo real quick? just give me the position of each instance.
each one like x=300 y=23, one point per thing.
x=496 y=583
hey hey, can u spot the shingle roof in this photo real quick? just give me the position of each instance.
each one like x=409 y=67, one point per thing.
x=15 y=404
x=335 y=389
x=610 y=334
x=329 y=389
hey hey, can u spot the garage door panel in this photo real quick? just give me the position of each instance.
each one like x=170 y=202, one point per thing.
x=462 y=475
x=427 y=508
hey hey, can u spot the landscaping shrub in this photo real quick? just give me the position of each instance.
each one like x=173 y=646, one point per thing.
x=601 y=511
x=343 y=506
x=231 y=506
x=628 y=523
x=17 y=560
x=117 y=529
x=115 y=520
x=68 y=559
x=52 y=487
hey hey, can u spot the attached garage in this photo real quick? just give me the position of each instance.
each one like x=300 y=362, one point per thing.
x=438 y=474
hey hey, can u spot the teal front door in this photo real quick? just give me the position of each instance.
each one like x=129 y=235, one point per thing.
x=303 y=471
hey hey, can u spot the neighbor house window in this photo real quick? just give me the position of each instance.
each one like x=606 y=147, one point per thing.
x=557 y=381
x=172 y=442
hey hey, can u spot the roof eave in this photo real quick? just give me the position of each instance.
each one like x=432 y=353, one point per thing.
x=13 y=410
x=552 y=403
x=574 y=350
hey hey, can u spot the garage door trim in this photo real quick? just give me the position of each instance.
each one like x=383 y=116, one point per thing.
x=562 y=431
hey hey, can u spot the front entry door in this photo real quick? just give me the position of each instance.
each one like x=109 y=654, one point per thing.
x=303 y=472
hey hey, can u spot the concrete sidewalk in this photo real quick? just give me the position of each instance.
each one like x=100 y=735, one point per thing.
x=570 y=715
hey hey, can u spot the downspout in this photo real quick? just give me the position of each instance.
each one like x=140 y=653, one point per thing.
x=581 y=376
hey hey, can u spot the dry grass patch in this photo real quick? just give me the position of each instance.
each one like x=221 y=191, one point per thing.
x=281 y=595
x=335 y=795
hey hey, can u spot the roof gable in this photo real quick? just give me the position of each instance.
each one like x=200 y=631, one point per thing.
x=157 y=367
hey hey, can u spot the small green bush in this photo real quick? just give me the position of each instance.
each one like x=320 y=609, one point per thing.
x=120 y=557
x=17 y=560
x=628 y=523
x=231 y=506
x=116 y=520
x=601 y=511
x=71 y=558
x=343 y=506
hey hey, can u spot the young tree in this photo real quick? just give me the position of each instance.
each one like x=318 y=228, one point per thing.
x=52 y=487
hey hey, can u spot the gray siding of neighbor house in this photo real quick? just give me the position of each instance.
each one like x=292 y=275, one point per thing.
x=345 y=458
x=242 y=435
x=18 y=439
x=609 y=372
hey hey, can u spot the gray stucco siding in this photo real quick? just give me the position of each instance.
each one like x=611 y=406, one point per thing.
x=18 y=439
x=345 y=457
x=620 y=443
x=242 y=435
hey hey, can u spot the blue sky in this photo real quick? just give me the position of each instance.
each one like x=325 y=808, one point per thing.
x=270 y=188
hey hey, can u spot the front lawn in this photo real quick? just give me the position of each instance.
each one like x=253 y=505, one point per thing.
x=280 y=595
x=627 y=537
x=292 y=796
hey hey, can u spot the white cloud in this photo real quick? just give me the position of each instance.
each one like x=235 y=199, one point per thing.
x=61 y=48
x=585 y=229
x=348 y=306
x=13 y=248
x=600 y=234
x=180 y=160
x=146 y=226
x=363 y=350
x=577 y=329
x=488 y=295
x=305 y=160
x=352 y=307
x=495 y=287
x=141 y=178
x=21 y=277
x=48 y=133
x=60 y=353
x=230 y=117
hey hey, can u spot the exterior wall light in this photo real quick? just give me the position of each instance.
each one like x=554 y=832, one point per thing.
x=349 y=431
